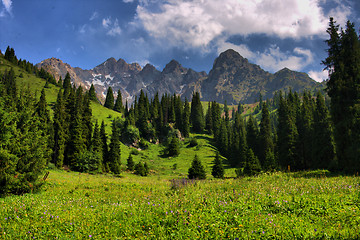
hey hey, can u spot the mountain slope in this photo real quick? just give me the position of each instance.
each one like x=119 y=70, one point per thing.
x=232 y=78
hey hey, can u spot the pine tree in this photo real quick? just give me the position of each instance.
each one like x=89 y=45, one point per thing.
x=186 y=119
x=218 y=168
x=130 y=163
x=266 y=146
x=323 y=140
x=173 y=149
x=197 y=170
x=208 y=119
x=92 y=93
x=343 y=88
x=115 y=151
x=67 y=85
x=140 y=169
x=118 y=107
x=59 y=131
x=109 y=100
x=252 y=134
x=252 y=166
x=104 y=146
x=197 y=114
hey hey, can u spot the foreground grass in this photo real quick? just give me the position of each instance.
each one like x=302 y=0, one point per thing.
x=276 y=206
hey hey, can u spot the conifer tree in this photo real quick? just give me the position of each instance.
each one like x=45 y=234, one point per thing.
x=67 y=85
x=252 y=134
x=197 y=170
x=174 y=147
x=118 y=107
x=109 y=100
x=323 y=140
x=218 y=168
x=115 y=151
x=92 y=93
x=140 y=169
x=252 y=166
x=130 y=163
x=208 y=119
x=343 y=88
x=186 y=119
x=59 y=131
x=266 y=146
x=104 y=146
x=197 y=114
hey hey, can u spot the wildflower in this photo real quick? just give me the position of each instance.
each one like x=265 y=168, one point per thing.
x=90 y=236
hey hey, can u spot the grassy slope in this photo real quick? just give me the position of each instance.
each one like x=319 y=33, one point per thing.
x=159 y=165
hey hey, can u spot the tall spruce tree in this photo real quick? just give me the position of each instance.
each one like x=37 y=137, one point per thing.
x=118 y=107
x=105 y=147
x=60 y=131
x=109 y=100
x=197 y=114
x=115 y=151
x=266 y=145
x=323 y=149
x=186 y=119
x=343 y=88
x=92 y=93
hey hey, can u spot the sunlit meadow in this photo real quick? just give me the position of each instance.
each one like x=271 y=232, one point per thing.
x=277 y=206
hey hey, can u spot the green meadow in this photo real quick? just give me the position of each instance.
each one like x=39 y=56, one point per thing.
x=270 y=206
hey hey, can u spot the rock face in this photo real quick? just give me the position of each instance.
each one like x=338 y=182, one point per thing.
x=232 y=78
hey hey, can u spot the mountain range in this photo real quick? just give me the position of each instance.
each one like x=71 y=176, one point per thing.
x=232 y=78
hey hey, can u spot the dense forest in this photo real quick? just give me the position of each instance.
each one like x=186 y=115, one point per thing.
x=293 y=131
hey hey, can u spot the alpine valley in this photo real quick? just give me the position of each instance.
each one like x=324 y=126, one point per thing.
x=233 y=79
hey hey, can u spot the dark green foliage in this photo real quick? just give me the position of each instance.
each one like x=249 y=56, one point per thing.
x=173 y=148
x=130 y=163
x=104 y=147
x=23 y=153
x=92 y=93
x=118 y=107
x=186 y=119
x=218 y=168
x=343 y=63
x=109 y=100
x=252 y=134
x=114 y=158
x=67 y=85
x=193 y=142
x=323 y=140
x=266 y=145
x=197 y=114
x=140 y=170
x=59 y=126
x=197 y=170
x=252 y=166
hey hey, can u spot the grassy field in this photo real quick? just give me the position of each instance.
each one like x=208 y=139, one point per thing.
x=270 y=206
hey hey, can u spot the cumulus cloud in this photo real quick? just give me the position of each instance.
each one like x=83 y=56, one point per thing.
x=197 y=22
x=319 y=76
x=272 y=59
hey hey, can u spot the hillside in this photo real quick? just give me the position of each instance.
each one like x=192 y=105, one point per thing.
x=36 y=84
x=232 y=78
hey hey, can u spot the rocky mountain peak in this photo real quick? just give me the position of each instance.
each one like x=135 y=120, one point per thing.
x=174 y=67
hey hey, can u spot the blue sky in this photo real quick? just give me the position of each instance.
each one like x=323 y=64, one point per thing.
x=84 y=33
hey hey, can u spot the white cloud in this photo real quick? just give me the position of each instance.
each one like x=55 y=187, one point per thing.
x=7 y=7
x=196 y=23
x=128 y=1
x=94 y=16
x=106 y=22
x=319 y=76
x=272 y=59
x=114 y=29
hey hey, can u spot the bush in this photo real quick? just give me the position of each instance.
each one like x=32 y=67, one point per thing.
x=174 y=147
x=130 y=163
x=193 y=142
x=140 y=169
